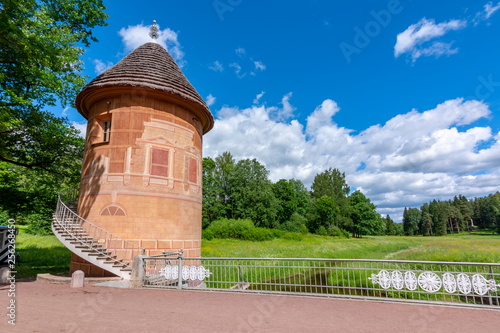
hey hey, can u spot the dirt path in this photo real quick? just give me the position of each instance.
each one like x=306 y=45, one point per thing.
x=42 y=307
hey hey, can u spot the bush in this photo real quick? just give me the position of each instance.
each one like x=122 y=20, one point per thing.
x=239 y=229
x=295 y=224
x=337 y=232
x=4 y=217
x=207 y=234
x=293 y=236
x=322 y=231
x=260 y=234
x=229 y=228
x=39 y=224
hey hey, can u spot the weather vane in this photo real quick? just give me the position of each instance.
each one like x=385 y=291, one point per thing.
x=153 y=30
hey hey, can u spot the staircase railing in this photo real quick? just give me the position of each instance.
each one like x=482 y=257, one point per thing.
x=94 y=238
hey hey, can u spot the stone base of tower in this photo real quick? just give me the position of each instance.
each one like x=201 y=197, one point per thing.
x=89 y=269
x=191 y=249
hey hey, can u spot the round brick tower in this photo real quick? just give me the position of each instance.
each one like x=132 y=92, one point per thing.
x=141 y=175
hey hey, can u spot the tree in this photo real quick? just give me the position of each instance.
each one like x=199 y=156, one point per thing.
x=325 y=212
x=293 y=198
x=389 y=226
x=213 y=207
x=40 y=50
x=425 y=225
x=224 y=166
x=332 y=183
x=251 y=194
x=365 y=218
x=411 y=218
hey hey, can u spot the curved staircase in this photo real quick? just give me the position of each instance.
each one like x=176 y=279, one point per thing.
x=90 y=242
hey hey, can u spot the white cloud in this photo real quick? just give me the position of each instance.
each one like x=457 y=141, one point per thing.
x=259 y=65
x=100 y=66
x=210 y=100
x=137 y=35
x=237 y=70
x=489 y=9
x=81 y=127
x=216 y=66
x=240 y=51
x=414 y=39
x=413 y=158
x=258 y=97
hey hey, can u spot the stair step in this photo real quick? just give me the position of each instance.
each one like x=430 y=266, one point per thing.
x=120 y=265
x=106 y=257
x=128 y=268
x=94 y=253
x=82 y=240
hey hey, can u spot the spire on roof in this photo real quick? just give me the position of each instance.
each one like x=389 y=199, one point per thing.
x=153 y=30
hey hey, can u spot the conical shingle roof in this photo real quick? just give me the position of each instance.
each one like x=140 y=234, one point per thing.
x=149 y=66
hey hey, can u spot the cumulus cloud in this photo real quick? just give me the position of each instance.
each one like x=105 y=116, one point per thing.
x=413 y=158
x=100 y=66
x=81 y=127
x=210 y=100
x=414 y=40
x=135 y=36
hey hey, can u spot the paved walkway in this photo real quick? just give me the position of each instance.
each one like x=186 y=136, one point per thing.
x=43 y=307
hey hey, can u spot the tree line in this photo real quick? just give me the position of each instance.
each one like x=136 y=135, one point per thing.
x=438 y=218
x=242 y=190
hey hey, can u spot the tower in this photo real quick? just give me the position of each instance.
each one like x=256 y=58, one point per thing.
x=141 y=175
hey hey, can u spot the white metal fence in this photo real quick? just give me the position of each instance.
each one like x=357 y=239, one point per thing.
x=458 y=283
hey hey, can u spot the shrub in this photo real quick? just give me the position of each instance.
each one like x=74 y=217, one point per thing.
x=337 y=232
x=230 y=228
x=207 y=234
x=322 y=231
x=293 y=236
x=4 y=217
x=295 y=224
x=39 y=224
x=260 y=234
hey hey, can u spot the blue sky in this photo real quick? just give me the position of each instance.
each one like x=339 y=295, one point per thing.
x=402 y=96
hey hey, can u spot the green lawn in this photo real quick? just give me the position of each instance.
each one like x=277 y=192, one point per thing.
x=40 y=254
x=467 y=247
x=45 y=254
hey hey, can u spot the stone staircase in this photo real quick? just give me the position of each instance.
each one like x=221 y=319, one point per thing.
x=92 y=243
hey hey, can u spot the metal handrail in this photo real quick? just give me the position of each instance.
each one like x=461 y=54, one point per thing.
x=66 y=217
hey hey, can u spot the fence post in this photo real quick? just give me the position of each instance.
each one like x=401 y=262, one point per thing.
x=179 y=282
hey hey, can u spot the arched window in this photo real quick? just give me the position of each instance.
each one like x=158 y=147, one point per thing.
x=113 y=210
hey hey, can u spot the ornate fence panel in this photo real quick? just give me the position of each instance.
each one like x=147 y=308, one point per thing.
x=458 y=283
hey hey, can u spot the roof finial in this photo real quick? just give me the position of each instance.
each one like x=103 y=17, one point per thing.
x=153 y=30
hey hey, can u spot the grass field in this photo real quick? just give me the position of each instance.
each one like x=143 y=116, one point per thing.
x=478 y=247
x=45 y=254
x=40 y=254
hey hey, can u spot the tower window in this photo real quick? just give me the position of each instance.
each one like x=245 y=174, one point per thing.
x=159 y=163
x=106 y=130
